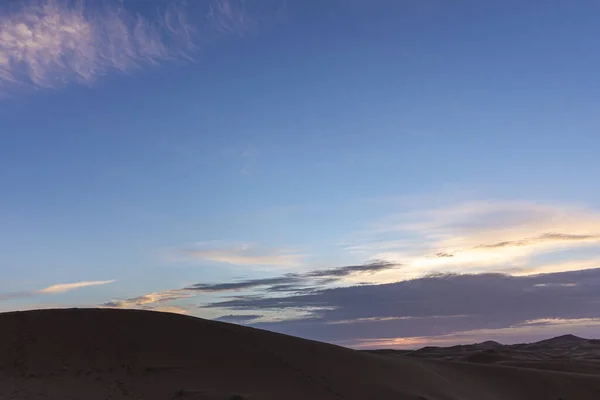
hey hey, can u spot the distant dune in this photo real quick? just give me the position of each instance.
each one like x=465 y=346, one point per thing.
x=567 y=353
x=124 y=354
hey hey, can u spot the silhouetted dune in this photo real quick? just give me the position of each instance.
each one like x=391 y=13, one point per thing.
x=564 y=340
x=124 y=354
x=489 y=344
x=566 y=353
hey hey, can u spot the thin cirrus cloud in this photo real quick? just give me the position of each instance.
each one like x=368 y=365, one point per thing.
x=54 y=289
x=66 y=287
x=242 y=254
x=51 y=43
x=149 y=299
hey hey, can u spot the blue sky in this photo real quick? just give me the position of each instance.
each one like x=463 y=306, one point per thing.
x=150 y=149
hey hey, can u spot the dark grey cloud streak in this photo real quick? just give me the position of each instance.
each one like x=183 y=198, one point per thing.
x=294 y=282
x=287 y=284
x=539 y=239
x=430 y=306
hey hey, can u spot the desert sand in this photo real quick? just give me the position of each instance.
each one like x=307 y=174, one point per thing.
x=125 y=354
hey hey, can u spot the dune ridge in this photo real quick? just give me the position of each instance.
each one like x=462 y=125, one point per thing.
x=566 y=353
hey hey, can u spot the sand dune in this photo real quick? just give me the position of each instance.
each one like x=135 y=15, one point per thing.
x=567 y=353
x=117 y=354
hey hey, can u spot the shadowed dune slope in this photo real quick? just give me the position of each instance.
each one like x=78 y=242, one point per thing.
x=125 y=354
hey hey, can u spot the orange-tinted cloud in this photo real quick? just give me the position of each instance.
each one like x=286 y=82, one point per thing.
x=66 y=287
x=482 y=237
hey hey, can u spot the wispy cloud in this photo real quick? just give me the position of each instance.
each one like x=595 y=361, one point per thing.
x=483 y=236
x=368 y=320
x=340 y=272
x=544 y=238
x=54 y=289
x=149 y=299
x=66 y=287
x=288 y=280
x=232 y=17
x=50 y=43
x=243 y=254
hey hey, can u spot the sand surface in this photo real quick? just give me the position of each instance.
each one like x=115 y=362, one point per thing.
x=124 y=354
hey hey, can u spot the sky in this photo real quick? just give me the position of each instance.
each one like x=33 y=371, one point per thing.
x=381 y=173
